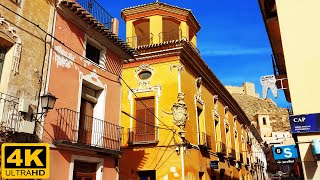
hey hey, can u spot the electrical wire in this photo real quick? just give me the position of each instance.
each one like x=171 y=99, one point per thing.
x=160 y=149
x=163 y=154
x=151 y=125
x=59 y=41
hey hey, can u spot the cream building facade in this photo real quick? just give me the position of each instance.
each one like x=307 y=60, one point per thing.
x=292 y=27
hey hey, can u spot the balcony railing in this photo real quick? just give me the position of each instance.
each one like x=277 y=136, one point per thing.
x=175 y=34
x=97 y=11
x=11 y=119
x=221 y=148
x=270 y=8
x=141 y=40
x=86 y=131
x=9 y=115
x=205 y=141
x=143 y=135
x=240 y=157
x=231 y=153
x=279 y=66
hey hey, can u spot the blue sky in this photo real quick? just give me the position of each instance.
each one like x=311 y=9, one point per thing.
x=232 y=40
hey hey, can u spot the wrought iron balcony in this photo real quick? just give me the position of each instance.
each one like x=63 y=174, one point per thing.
x=141 y=40
x=11 y=119
x=175 y=34
x=82 y=131
x=231 y=153
x=221 y=148
x=270 y=8
x=279 y=66
x=239 y=157
x=143 y=135
x=9 y=114
x=97 y=11
x=205 y=141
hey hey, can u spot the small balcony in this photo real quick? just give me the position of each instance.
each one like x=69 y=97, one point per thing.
x=80 y=131
x=205 y=141
x=270 y=9
x=239 y=157
x=149 y=39
x=11 y=115
x=221 y=148
x=143 y=135
x=142 y=40
x=279 y=66
x=93 y=7
x=175 y=34
x=231 y=154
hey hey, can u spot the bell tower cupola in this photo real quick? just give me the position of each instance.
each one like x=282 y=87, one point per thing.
x=158 y=22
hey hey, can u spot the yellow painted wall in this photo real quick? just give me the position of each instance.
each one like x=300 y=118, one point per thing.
x=149 y=158
x=146 y=158
x=300 y=27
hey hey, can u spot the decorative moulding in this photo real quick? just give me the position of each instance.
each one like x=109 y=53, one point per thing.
x=7 y=29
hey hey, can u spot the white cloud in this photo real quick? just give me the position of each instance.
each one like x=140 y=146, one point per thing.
x=229 y=50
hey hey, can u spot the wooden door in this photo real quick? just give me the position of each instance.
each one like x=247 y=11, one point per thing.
x=145 y=130
x=84 y=170
x=86 y=120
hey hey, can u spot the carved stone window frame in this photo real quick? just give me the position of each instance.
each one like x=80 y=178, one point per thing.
x=144 y=83
x=7 y=29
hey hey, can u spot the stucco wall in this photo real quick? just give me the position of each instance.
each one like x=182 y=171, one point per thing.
x=300 y=40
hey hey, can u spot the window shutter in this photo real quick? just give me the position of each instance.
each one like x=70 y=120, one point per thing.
x=2 y=53
x=2 y=56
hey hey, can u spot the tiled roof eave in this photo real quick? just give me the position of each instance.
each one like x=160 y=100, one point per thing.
x=94 y=23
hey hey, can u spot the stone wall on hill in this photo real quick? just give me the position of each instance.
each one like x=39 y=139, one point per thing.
x=279 y=117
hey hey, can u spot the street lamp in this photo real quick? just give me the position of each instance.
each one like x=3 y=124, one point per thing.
x=47 y=101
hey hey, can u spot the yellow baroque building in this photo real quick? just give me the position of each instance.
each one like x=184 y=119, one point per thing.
x=166 y=82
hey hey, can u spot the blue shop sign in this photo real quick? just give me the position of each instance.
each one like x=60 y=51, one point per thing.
x=214 y=164
x=285 y=152
x=305 y=123
x=315 y=144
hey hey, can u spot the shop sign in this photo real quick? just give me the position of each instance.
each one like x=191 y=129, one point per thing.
x=284 y=152
x=305 y=123
x=315 y=144
x=288 y=161
x=214 y=164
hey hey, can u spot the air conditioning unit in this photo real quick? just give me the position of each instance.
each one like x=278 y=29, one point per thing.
x=27 y=127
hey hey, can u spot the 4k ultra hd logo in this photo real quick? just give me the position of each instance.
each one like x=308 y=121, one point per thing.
x=25 y=161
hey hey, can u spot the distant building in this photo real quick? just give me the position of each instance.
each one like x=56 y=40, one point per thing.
x=247 y=88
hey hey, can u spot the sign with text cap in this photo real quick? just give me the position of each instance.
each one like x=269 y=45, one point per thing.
x=305 y=123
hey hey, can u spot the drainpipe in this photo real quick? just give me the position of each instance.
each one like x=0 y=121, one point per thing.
x=46 y=85
x=182 y=161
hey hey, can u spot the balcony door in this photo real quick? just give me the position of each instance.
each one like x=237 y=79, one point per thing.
x=84 y=171
x=86 y=121
x=147 y=175
x=145 y=130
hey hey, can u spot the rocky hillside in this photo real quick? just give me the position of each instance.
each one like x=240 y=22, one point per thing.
x=279 y=117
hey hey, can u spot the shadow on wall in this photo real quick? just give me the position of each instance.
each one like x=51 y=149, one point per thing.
x=128 y=166
x=310 y=164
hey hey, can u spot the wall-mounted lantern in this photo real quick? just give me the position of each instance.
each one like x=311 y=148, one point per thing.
x=47 y=101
